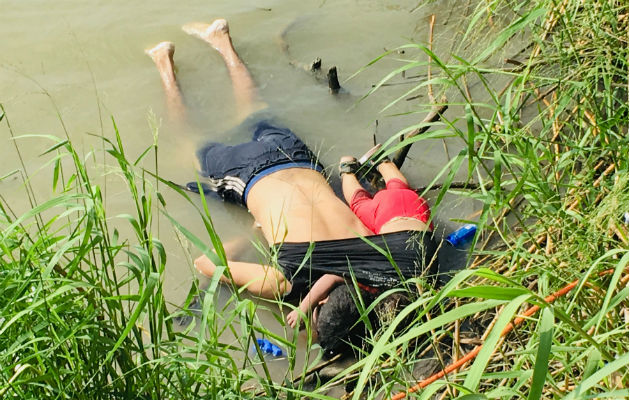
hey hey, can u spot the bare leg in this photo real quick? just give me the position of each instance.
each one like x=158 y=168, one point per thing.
x=349 y=182
x=162 y=55
x=217 y=35
x=389 y=170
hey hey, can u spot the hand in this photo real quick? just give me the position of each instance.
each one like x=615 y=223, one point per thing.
x=293 y=318
x=205 y=266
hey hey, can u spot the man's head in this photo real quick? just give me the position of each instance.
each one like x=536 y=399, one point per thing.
x=338 y=325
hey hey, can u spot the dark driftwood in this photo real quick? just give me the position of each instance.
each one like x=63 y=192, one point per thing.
x=314 y=68
x=333 y=81
x=434 y=115
x=316 y=64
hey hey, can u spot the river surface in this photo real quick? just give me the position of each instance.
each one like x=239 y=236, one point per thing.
x=75 y=65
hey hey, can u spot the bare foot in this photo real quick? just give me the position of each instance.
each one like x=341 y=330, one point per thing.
x=216 y=34
x=161 y=50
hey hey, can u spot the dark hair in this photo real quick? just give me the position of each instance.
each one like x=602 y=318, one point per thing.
x=338 y=325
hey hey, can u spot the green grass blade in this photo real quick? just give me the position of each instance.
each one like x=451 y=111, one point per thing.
x=593 y=380
x=200 y=244
x=65 y=199
x=489 y=292
x=476 y=371
x=612 y=287
x=541 y=365
x=508 y=32
x=146 y=294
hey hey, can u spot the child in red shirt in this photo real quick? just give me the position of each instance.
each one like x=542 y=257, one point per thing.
x=395 y=208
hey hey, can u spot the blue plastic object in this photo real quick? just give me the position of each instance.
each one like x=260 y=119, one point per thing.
x=268 y=348
x=276 y=351
x=462 y=235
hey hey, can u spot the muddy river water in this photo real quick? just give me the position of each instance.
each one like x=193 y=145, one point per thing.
x=82 y=63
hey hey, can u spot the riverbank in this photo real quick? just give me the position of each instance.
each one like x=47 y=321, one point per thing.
x=83 y=314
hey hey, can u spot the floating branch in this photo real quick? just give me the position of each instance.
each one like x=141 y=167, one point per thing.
x=433 y=116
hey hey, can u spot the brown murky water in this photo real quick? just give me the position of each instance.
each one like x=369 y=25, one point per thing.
x=85 y=61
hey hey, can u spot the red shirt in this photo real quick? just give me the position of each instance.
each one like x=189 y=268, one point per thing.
x=396 y=200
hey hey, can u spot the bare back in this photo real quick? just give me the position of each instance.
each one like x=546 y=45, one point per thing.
x=298 y=205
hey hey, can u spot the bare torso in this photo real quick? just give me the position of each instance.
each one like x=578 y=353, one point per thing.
x=298 y=205
x=403 y=224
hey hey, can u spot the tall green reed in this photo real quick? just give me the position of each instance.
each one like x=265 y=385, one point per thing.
x=548 y=150
x=83 y=312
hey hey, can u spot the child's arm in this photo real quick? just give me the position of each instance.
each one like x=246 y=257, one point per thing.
x=318 y=292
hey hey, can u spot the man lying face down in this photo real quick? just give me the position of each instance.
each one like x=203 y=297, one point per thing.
x=316 y=241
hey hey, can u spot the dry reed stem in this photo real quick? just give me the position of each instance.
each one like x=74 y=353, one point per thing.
x=430 y=86
x=550 y=23
x=624 y=280
x=569 y=118
x=591 y=119
x=622 y=236
x=603 y=175
x=541 y=96
x=555 y=128
x=596 y=184
x=549 y=244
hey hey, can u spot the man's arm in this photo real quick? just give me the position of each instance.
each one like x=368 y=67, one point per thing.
x=318 y=292
x=261 y=280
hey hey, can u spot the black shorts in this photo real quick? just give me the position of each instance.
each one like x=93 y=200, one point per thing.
x=231 y=171
x=401 y=256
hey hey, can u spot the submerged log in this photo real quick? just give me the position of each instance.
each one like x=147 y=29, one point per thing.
x=315 y=67
x=433 y=116
x=316 y=64
x=333 y=81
